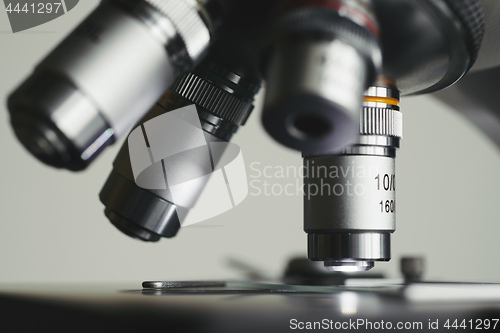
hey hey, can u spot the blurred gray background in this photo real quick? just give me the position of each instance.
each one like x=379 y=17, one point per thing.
x=53 y=228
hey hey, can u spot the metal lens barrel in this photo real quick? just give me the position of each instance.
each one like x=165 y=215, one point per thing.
x=104 y=76
x=323 y=56
x=350 y=198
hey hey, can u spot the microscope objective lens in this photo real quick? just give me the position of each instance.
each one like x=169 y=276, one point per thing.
x=350 y=202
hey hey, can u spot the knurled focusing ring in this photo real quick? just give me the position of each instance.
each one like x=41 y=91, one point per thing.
x=380 y=114
x=380 y=125
x=204 y=93
x=381 y=121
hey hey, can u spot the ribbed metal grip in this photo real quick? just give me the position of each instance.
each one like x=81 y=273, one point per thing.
x=214 y=99
x=381 y=121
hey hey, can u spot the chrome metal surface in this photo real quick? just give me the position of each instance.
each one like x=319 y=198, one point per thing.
x=350 y=198
x=344 y=192
x=349 y=266
x=186 y=18
x=318 y=103
x=122 y=90
x=72 y=123
x=119 y=66
x=381 y=91
x=182 y=284
x=369 y=150
x=339 y=248
x=319 y=63
x=374 y=145
x=381 y=121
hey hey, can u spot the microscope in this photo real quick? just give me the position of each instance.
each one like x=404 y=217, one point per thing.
x=334 y=71
x=179 y=78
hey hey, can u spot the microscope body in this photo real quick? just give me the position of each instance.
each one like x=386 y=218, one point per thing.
x=334 y=73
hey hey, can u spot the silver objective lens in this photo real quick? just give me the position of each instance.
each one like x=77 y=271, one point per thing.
x=350 y=197
x=104 y=76
x=321 y=60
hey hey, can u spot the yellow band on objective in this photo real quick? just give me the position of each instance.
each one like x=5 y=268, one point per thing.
x=386 y=100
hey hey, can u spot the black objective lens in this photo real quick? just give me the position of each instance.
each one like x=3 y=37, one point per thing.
x=223 y=97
